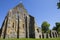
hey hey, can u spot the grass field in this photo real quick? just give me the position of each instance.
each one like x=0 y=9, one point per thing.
x=31 y=39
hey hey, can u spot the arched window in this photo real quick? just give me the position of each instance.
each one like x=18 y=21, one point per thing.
x=13 y=25
x=38 y=30
x=39 y=36
x=23 y=25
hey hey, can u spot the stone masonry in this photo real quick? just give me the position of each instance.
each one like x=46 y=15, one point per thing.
x=19 y=24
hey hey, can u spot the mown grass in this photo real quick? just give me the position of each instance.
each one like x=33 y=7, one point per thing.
x=31 y=39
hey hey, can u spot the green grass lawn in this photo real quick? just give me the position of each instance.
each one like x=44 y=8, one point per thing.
x=31 y=39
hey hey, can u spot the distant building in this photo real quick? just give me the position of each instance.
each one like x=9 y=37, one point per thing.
x=19 y=24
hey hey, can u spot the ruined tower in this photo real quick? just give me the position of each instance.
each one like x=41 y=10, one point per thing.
x=17 y=23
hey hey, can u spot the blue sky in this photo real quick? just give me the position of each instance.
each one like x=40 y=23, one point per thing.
x=42 y=10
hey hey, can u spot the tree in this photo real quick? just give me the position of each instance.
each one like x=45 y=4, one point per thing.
x=45 y=27
x=54 y=28
x=58 y=4
x=57 y=28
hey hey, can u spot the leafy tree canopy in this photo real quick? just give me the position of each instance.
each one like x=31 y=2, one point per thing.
x=58 y=4
x=57 y=28
x=45 y=26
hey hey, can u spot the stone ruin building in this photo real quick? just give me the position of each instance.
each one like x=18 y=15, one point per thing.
x=19 y=24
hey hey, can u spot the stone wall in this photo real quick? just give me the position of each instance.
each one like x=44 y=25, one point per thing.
x=31 y=27
x=19 y=24
x=52 y=34
x=39 y=34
